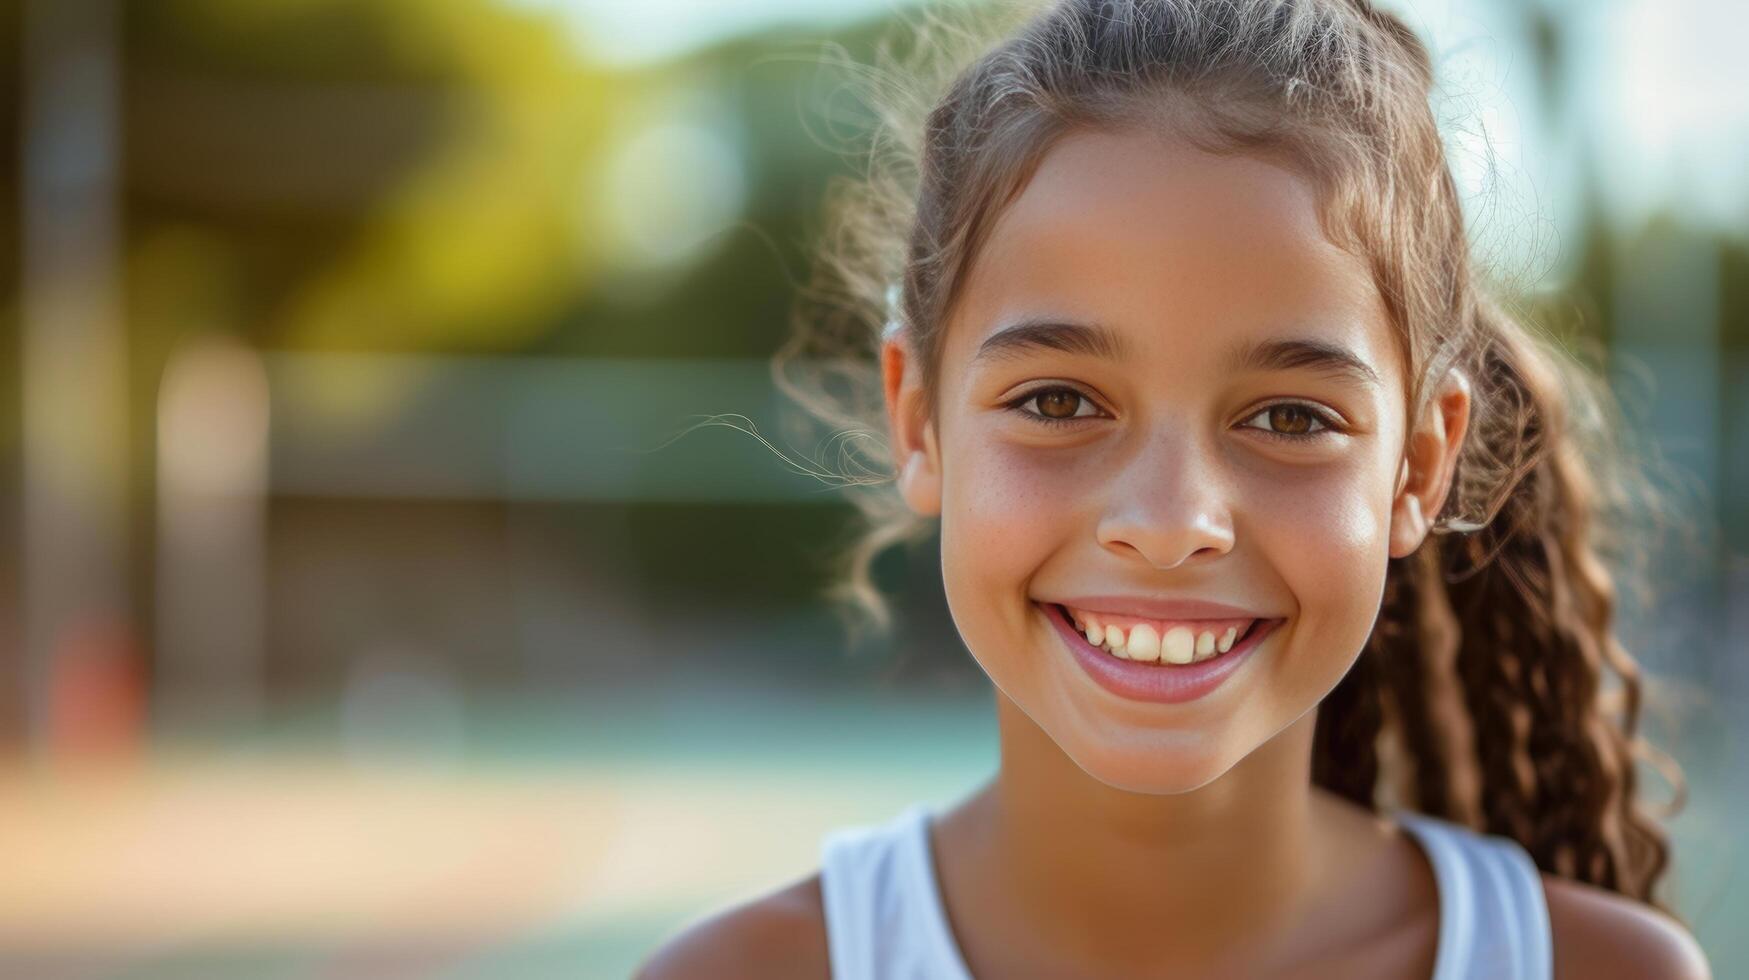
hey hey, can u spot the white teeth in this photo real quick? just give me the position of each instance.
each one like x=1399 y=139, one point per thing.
x=1144 y=643
x=1179 y=645
x=1114 y=641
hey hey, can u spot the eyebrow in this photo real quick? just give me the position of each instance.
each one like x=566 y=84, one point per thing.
x=1304 y=353
x=1035 y=333
x=1094 y=340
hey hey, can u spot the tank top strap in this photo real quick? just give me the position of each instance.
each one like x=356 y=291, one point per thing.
x=884 y=915
x=885 y=919
x=1493 y=916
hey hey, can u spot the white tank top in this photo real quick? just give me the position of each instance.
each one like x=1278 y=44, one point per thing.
x=885 y=921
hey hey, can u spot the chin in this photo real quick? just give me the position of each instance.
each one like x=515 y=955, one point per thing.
x=1157 y=769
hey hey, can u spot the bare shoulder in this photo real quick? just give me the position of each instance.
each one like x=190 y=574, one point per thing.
x=1598 y=933
x=781 y=934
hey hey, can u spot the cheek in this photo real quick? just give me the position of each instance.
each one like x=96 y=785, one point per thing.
x=1005 y=508
x=1326 y=534
x=1005 y=511
x=1331 y=517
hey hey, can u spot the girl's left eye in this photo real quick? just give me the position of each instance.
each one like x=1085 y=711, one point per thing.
x=1057 y=405
x=1294 y=421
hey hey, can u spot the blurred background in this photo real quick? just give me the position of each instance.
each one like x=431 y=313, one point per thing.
x=361 y=613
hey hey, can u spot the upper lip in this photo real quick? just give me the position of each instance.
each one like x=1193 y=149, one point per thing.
x=1148 y=608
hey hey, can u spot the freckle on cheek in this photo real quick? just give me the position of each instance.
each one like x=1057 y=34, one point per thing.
x=1016 y=499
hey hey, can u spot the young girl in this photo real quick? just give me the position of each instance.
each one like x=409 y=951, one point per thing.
x=1259 y=515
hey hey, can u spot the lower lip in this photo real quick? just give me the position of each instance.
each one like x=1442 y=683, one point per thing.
x=1161 y=682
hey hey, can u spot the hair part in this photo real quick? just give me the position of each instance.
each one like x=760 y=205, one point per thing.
x=1480 y=695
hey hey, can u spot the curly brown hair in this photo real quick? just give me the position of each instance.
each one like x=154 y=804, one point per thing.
x=1480 y=695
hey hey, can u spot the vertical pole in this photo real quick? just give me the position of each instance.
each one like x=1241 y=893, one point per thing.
x=75 y=608
x=213 y=409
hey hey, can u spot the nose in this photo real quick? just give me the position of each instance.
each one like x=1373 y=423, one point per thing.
x=1169 y=506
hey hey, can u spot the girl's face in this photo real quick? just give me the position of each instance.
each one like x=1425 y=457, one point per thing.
x=1182 y=469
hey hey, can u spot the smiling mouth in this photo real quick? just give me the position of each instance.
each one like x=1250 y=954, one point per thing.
x=1177 y=643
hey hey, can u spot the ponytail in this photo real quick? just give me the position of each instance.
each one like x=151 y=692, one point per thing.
x=1492 y=647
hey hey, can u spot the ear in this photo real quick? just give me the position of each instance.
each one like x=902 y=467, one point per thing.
x=915 y=450
x=1430 y=460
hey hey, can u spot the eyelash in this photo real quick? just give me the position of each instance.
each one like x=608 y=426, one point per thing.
x=1323 y=418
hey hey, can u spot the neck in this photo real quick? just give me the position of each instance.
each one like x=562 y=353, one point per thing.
x=1097 y=872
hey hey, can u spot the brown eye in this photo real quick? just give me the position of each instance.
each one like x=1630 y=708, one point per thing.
x=1058 y=403
x=1055 y=406
x=1293 y=421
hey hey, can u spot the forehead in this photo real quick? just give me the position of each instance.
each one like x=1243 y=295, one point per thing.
x=1180 y=249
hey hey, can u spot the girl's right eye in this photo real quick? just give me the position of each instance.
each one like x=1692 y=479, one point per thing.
x=1055 y=405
